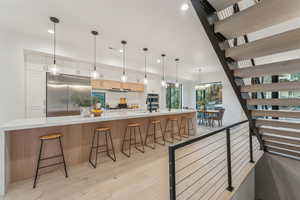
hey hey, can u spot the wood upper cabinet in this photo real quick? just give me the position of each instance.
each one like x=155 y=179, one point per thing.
x=109 y=84
x=105 y=84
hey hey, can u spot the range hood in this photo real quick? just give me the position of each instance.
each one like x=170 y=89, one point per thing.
x=119 y=90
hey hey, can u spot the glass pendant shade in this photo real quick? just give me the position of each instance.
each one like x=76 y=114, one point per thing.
x=177 y=85
x=123 y=78
x=163 y=83
x=145 y=81
x=95 y=74
x=54 y=69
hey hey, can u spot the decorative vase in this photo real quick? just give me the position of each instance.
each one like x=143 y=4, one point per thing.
x=85 y=112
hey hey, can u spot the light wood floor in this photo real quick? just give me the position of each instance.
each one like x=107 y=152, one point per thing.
x=143 y=176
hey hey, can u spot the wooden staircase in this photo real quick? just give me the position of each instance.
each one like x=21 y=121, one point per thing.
x=274 y=120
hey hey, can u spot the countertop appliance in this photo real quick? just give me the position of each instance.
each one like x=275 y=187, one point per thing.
x=123 y=103
x=61 y=89
x=152 y=102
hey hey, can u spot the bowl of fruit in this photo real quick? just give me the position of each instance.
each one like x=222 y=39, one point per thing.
x=97 y=112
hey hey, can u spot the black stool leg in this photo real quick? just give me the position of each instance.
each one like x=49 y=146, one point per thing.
x=113 y=149
x=38 y=165
x=90 y=157
x=141 y=141
x=63 y=157
x=163 y=134
x=123 y=143
x=147 y=136
x=166 y=130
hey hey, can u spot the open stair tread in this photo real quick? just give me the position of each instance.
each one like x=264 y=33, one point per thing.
x=284 y=67
x=279 y=43
x=276 y=113
x=222 y=4
x=272 y=87
x=247 y=21
x=273 y=102
x=285 y=125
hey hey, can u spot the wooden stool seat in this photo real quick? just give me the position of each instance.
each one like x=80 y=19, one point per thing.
x=45 y=138
x=51 y=136
x=104 y=132
x=133 y=125
x=132 y=128
x=155 y=124
x=103 y=129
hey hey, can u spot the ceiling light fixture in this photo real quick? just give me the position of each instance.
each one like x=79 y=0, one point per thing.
x=124 y=77
x=177 y=62
x=163 y=81
x=54 y=69
x=95 y=74
x=145 y=78
x=158 y=61
x=184 y=6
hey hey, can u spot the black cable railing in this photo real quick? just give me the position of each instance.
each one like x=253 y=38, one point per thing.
x=202 y=166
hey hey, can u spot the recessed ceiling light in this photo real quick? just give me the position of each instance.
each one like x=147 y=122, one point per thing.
x=158 y=61
x=184 y=7
x=51 y=31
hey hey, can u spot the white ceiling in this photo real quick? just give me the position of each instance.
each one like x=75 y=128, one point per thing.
x=159 y=25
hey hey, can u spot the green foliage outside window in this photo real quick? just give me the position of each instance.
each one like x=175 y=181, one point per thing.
x=208 y=95
x=174 y=96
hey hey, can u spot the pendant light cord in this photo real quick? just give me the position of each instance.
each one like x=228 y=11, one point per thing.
x=163 y=64
x=177 y=61
x=95 y=53
x=145 y=60
x=54 y=46
x=124 y=58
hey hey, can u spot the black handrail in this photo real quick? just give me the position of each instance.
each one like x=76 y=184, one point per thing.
x=173 y=148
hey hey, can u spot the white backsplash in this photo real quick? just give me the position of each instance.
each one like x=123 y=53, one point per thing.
x=113 y=98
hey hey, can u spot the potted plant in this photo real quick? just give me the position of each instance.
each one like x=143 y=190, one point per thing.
x=85 y=104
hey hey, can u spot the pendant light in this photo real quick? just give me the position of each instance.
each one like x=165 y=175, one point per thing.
x=163 y=81
x=177 y=62
x=54 y=69
x=124 y=77
x=145 y=78
x=95 y=74
x=199 y=72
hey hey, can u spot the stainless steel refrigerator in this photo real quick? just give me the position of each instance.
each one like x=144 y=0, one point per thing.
x=61 y=89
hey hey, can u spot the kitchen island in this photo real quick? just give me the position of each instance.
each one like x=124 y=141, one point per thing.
x=21 y=138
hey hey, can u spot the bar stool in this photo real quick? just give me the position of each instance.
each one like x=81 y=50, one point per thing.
x=186 y=125
x=132 y=128
x=45 y=138
x=173 y=122
x=155 y=124
x=106 y=132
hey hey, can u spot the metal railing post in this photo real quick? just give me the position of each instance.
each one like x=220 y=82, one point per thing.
x=229 y=188
x=251 y=144
x=172 y=173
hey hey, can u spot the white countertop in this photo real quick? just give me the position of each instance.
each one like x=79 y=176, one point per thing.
x=106 y=116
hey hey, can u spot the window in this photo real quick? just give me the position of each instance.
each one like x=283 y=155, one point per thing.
x=209 y=94
x=174 y=96
x=101 y=98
